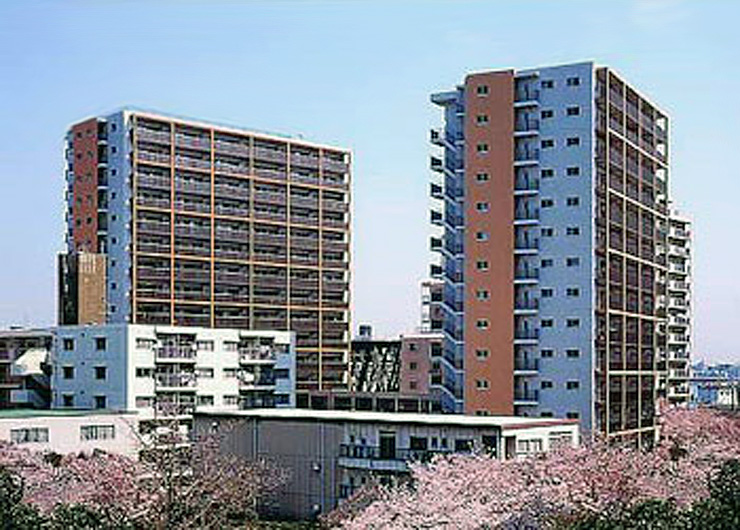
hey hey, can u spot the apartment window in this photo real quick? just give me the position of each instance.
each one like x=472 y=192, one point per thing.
x=546 y=323
x=481 y=265
x=547 y=232
x=573 y=140
x=573 y=81
x=545 y=414
x=205 y=401
x=545 y=263
x=231 y=400
x=482 y=384
x=547 y=293
x=97 y=432
x=482 y=354
x=29 y=435
x=68 y=400
x=100 y=343
x=68 y=372
x=573 y=353
x=204 y=345
x=412 y=346
x=481 y=323
x=547 y=143
x=101 y=402
x=572 y=201
x=101 y=372
x=482 y=90
x=231 y=345
x=547 y=203
x=546 y=384
x=547 y=83
x=572 y=262
x=573 y=111
x=113 y=286
x=144 y=372
x=573 y=292
x=572 y=231
x=573 y=171
x=547 y=114
x=68 y=344
x=547 y=173
x=481 y=206
x=481 y=236
x=230 y=373
x=143 y=402
x=205 y=373
x=481 y=177
x=145 y=344
x=572 y=415
x=573 y=322
x=481 y=119
x=572 y=385
x=482 y=294
x=481 y=148
x=546 y=353
x=413 y=365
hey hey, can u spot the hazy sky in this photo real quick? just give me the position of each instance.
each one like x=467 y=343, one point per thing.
x=357 y=74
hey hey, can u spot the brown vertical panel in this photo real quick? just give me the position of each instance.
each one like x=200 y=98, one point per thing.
x=85 y=187
x=498 y=250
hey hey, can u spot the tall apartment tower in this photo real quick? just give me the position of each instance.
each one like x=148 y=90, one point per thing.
x=679 y=308
x=551 y=242
x=213 y=226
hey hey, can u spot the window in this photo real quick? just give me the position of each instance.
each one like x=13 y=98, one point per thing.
x=547 y=114
x=97 y=432
x=230 y=373
x=547 y=173
x=546 y=353
x=573 y=81
x=547 y=143
x=545 y=414
x=482 y=354
x=413 y=365
x=205 y=401
x=547 y=232
x=145 y=344
x=204 y=345
x=463 y=445
x=573 y=322
x=546 y=384
x=482 y=294
x=113 y=286
x=573 y=292
x=68 y=400
x=101 y=372
x=481 y=236
x=68 y=372
x=144 y=372
x=481 y=119
x=546 y=323
x=481 y=148
x=412 y=346
x=545 y=263
x=547 y=203
x=547 y=293
x=573 y=140
x=481 y=265
x=143 y=402
x=572 y=262
x=100 y=402
x=548 y=83
x=572 y=385
x=481 y=206
x=573 y=171
x=68 y=344
x=29 y=435
x=481 y=323
x=413 y=385
x=231 y=400
x=231 y=345
x=572 y=201
x=481 y=90
x=573 y=353
x=482 y=384
x=573 y=231
x=573 y=111
x=481 y=177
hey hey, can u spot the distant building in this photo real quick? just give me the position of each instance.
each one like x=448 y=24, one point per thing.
x=330 y=454
x=716 y=385
x=24 y=379
x=71 y=431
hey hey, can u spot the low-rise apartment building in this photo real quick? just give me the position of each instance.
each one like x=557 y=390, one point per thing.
x=330 y=453
x=20 y=387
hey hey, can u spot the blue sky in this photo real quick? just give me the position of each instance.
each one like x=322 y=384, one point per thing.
x=357 y=74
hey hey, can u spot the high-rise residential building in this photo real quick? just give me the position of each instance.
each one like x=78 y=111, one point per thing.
x=679 y=308
x=551 y=236
x=190 y=223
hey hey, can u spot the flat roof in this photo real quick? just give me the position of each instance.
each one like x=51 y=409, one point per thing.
x=461 y=420
x=59 y=413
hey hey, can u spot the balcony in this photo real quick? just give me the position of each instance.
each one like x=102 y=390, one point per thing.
x=266 y=153
x=184 y=380
x=152 y=156
x=526 y=156
x=526 y=245
x=230 y=167
x=526 y=186
x=526 y=96
x=526 y=127
x=526 y=216
x=523 y=336
x=525 y=276
x=203 y=164
x=153 y=227
x=525 y=307
x=526 y=397
x=523 y=366
x=153 y=136
x=193 y=142
x=177 y=353
x=257 y=353
x=153 y=181
x=381 y=458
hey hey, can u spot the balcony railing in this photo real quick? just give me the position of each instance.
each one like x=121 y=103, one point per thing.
x=176 y=352
x=176 y=380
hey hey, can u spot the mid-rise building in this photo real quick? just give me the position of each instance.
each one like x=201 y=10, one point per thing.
x=551 y=237
x=166 y=372
x=20 y=387
x=180 y=222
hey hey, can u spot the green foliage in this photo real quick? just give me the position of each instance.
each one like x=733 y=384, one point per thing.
x=721 y=511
